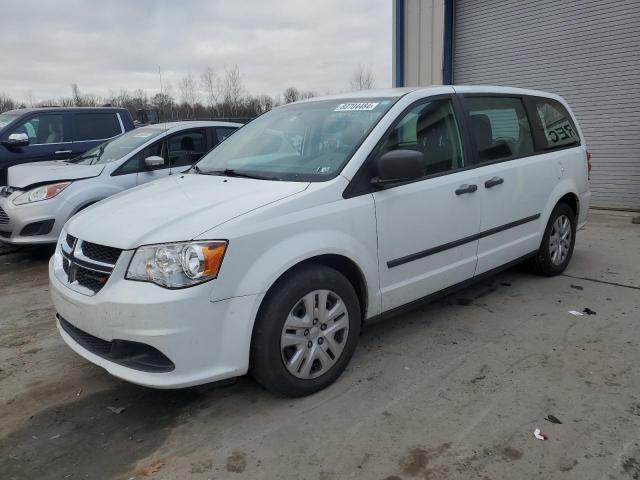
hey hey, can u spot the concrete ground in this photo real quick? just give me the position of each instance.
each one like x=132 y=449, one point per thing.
x=453 y=390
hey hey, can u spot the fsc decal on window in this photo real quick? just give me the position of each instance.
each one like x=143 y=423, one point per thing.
x=353 y=107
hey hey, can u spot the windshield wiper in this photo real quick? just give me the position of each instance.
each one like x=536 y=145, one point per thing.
x=230 y=172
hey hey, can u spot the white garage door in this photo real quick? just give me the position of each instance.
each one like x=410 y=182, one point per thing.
x=586 y=51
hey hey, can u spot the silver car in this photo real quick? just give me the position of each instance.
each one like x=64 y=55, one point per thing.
x=41 y=197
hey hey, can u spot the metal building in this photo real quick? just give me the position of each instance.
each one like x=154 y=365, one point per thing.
x=587 y=51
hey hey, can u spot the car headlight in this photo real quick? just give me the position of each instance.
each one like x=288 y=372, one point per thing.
x=177 y=265
x=38 y=194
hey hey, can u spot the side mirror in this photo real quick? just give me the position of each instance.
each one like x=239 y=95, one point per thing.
x=17 y=140
x=153 y=161
x=398 y=166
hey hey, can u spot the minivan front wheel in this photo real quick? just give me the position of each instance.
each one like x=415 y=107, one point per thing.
x=306 y=331
x=558 y=241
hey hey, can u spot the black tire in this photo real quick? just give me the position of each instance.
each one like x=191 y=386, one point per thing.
x=542 y=263
x=266 y=362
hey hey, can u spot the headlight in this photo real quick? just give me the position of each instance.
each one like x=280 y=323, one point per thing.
x=38 y=194
x=177 y=265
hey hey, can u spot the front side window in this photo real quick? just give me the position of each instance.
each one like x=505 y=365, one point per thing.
x=431 y=129
x=309 y=141
x=43 y=129
x=223 y=132
x=185 y=148
x=96 y=126
x=558 y=129
x=500 y=128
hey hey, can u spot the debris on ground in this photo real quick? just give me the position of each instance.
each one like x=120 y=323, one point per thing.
x=588 y=311
x=577 y=287
x=153 y=468
x=636 y=220
x=576 y=313
x=54 y=437
x=539 y=435
x=79 y=393
x=116 y=410
x=553 y=419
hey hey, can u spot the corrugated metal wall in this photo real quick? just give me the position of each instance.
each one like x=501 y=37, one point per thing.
x=586 y=51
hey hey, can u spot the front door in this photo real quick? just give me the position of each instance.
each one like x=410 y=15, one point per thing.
x=148 y=174
x=427 y=229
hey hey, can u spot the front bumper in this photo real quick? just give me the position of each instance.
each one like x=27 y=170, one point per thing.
x=54 y=210
x=205 y=341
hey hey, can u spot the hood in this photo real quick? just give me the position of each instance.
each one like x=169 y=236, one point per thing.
x=26 y=174
x=176 y=208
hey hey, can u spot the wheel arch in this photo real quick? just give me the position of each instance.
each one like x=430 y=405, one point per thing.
x=341 y=263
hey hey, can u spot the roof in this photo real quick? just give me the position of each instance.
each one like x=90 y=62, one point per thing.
x=192 y=124
x=63 y=109
x=398 y=92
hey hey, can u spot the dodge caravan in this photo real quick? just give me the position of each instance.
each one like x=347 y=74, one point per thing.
x=275 y=249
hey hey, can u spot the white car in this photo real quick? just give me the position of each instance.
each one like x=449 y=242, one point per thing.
x=42 y=196
x=312 y=220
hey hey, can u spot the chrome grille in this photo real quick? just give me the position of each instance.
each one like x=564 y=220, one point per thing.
x=84 y=266
x=4 y=218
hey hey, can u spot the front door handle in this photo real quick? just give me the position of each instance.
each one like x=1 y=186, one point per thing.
x=62 y=152
x=493 y=182
x=466 y=189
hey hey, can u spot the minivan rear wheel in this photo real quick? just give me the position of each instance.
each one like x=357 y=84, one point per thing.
x=558 y=241
x=306 y=331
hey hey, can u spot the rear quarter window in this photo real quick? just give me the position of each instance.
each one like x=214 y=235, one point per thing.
x=96 y=126
x=556 y=128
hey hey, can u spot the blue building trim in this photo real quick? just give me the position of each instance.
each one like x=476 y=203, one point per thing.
x=399 y=66
x=447 y=59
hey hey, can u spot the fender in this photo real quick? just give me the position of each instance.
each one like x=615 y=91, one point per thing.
x=566 y=185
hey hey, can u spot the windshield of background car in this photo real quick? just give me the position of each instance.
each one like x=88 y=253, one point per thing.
x=117 y=148
x=7 y=118
x=309 y=141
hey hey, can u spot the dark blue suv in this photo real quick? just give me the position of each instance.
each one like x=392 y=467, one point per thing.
x=56 y=133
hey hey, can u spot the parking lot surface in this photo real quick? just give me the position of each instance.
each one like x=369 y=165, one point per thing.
x=451 y=390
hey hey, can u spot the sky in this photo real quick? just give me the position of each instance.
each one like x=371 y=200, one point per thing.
x=103 y=46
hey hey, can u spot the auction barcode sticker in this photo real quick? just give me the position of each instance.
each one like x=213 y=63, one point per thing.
x=353 y=107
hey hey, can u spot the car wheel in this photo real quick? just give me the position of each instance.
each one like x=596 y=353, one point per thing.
x=306 y=331
x=557 y=243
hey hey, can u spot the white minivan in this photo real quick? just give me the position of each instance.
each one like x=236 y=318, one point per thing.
x=274 y=250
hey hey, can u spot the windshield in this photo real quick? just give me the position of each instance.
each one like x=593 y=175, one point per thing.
x=7 y=118
x=118 y=147
x=308 y=141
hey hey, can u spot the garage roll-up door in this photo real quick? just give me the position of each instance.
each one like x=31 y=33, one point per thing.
x=586 y=51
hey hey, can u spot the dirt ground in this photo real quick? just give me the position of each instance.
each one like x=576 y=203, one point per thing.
x=453 y=390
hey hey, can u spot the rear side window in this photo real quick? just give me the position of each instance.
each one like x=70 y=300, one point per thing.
x=558 y=129
x=500 y=128
x=96 y=126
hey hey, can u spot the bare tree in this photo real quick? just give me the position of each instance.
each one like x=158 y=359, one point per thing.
x=76 y=96
x=291 y=94
x=362 y=78
x=6 y=103
x=232 y=88
x=189 y=92
x=212 y=86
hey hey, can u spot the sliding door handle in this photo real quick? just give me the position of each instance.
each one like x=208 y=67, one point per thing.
x=493 y=182
x=466 y=189
x=62 y=152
